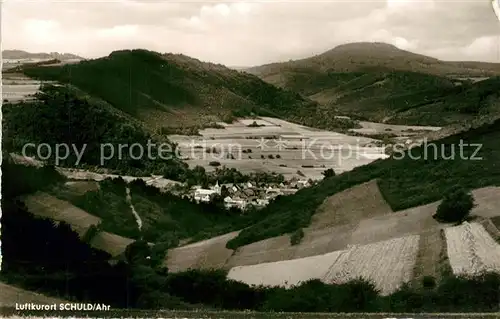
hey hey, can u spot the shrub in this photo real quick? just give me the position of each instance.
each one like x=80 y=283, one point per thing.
x=296 y=237
x=278 y=156
x=270 y=156
x=214 y=163
x=455 y=207
x=328 y=173
x=428 y=282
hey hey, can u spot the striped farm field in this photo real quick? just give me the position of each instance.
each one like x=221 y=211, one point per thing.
x=471 y=249
x=388 y=264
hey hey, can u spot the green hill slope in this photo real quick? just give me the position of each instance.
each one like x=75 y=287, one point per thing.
x=178 y=91
x=417 y=178
x=379 y=82
x=399 y=97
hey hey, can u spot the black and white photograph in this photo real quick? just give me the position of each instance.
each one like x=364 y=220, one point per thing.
x=250 y=159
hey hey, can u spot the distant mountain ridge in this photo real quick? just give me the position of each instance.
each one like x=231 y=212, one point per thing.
x=20 y=54
x=358 y=56
x=381 y=83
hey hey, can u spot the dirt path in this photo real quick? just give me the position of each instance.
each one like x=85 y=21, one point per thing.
x=137 y=217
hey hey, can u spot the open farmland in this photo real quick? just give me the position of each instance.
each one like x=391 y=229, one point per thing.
x=374 y=128
x=45 y=205
x=111 y=243
x=388 y=264
x=83 y=175
x=352 y=205
x=211 y=253
x=10 y=296
x=471 y=249
x=356 y=216
x=277 y=146
x=17 y=87
x=285 y=273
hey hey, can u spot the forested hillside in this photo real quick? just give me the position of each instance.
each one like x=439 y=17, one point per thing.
x=170 y=90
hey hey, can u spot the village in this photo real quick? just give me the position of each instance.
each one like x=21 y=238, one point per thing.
x=245 y=195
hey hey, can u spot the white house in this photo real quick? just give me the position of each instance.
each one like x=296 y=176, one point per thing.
x=230 y=202
x=204 y=195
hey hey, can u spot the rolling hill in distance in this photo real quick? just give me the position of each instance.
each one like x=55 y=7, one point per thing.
x=20 y=55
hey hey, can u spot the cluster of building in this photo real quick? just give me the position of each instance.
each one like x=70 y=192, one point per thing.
x=243 y=195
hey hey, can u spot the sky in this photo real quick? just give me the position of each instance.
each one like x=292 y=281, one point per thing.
x=238 y=33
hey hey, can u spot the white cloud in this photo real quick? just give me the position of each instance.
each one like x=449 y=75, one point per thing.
x=252 y=32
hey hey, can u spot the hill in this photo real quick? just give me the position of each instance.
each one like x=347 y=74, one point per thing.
x=175 y=91
x=354 y=57
x=21 y=55
x=379 y=82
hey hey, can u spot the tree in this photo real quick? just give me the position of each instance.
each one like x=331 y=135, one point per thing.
x=455 y=207
x=138 y=252
x=328 y=173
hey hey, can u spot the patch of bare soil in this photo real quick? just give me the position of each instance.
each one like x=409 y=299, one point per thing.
x=432 y=247
x=10 y=295
x=351 y=206
x=211 y=253
x=111 y=243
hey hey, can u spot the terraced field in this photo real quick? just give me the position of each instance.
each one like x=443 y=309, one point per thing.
x=357 y=216
x=471 y=249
